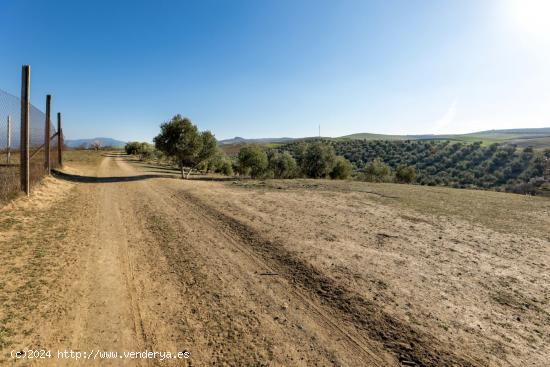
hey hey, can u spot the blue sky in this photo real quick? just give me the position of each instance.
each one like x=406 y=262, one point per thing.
x=280 y=68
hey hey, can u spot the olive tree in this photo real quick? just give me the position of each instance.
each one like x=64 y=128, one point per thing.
x=183 y=142
x=220 y=163
x=377 y=171
x=132 y=147
x=282 y=165
x=252 y=161
x=407 y=174
x=146 y=151
x=342 y=169
x=318 y=160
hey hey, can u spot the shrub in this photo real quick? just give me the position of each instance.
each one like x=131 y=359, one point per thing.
x=282 y=165
x=524 y=188
x=252 y=161
x=318 y=160
x=143 y=150
x=406 y=174
x=226 y=168
x=146 y=151
x=132 y=147
x=377 y=171
x=220 y=163
x=342 y=169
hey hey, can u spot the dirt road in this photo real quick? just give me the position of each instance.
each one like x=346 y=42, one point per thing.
x=148 y=262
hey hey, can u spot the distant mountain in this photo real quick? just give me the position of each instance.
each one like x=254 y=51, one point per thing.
x=239 y=140
x=85 y=143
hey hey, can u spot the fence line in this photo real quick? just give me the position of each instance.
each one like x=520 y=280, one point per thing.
x=35 y=142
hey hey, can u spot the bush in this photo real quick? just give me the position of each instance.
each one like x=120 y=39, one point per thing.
x=143 y=150
x=146 y=151
x=220 y=163
x=132 y=147
x=405 y=174
x=252 y=161
x=342 y=169
x=524 y=188
x=318 y=160
x=226 y=168
x=282 y=165
x=377 y=171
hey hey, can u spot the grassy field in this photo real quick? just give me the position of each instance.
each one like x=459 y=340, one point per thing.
x=83 y=157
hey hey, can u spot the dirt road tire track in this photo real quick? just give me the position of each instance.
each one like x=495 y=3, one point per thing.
x=244 y=240
x=171 y=220
x=409 y=346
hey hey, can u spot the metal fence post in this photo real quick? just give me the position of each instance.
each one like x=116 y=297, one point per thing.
x=47 y=134
x=8 y=158
x=59 y=140
x=24 y=146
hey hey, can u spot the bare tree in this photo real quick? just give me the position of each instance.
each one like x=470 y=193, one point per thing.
x=96 y=145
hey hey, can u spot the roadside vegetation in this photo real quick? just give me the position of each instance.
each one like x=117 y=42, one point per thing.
x=433 y=163
x=182 y=144
x=316 y=160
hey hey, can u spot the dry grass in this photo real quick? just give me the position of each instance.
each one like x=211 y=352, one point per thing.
x=86 y=157
x=467 y=267
x=31 y=234
x=10 y=173
x=503 y=212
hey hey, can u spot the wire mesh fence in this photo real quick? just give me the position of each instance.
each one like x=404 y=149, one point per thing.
x=10 y=143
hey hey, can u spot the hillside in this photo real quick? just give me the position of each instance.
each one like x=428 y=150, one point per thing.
x=455 y=164
x=239 y=140
x=537 y=138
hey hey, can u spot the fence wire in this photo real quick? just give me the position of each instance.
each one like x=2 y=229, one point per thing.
x=10 y=141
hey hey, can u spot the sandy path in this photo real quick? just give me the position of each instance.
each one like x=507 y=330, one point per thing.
x=108 y=315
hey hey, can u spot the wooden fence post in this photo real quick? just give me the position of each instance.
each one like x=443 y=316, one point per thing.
x=24 y=146
x=8 y=159
x=47 y=134
x=59 y=140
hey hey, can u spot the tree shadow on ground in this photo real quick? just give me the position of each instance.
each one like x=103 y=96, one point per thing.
x=91 y=179
x=213 y=179
x=164 y=168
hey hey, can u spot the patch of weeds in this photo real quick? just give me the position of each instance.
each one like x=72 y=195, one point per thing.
x=516 y=301
x=39 y=253
x=8 y=223
x=5 y=334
